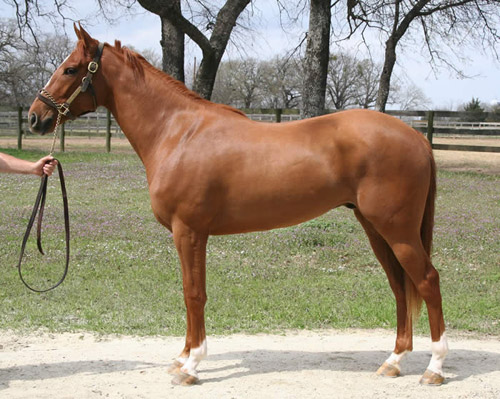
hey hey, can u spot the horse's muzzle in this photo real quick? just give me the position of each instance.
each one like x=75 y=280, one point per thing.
x=39 y=125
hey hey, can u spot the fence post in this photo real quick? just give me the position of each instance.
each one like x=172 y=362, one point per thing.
x=278 y=112
x=19 y=128
x=108 y=131
x=430 y=125
x=62 y=137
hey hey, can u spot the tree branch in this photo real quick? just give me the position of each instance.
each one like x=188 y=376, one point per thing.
x=443 y=7
x=168 y=11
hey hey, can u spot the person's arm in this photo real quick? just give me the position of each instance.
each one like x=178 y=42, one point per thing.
x=10 y=164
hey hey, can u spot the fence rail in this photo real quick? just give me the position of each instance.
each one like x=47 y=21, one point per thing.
x=102 y=124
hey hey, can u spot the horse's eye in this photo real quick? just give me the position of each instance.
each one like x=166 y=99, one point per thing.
x=70 y=71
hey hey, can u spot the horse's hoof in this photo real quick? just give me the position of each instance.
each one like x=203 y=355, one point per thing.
x=431 y=378
x=185 y=379
x=175 y=368
x=388 y=370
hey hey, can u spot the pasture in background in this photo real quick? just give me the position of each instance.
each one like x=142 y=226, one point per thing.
x=125 y=278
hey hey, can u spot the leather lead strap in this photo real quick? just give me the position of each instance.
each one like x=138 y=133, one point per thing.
x=39 y=208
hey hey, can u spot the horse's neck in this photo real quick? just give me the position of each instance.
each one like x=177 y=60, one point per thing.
x=142 y=107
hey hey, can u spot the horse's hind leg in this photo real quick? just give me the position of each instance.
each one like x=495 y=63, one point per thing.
x=417 y=264
x=407 y=246
x=396 y=277
x=191 y=247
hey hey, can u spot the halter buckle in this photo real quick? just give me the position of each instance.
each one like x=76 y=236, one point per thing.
x=63 y=109
x=93 y=67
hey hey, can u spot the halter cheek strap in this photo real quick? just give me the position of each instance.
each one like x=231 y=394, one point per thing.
x=63 y=109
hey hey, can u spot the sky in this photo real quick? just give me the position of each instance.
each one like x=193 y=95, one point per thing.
x=444 y=89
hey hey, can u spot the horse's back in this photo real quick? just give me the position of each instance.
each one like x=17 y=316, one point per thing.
x=361 y=143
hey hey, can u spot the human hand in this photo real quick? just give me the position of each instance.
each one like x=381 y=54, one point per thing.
x=45 y=165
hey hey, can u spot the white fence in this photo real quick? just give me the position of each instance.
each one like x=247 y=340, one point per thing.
x=432 y=123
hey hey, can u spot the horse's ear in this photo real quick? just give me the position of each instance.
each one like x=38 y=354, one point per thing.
x=77 y=31
x=88 y=41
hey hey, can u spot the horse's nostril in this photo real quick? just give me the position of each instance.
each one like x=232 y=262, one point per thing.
x=33 y=119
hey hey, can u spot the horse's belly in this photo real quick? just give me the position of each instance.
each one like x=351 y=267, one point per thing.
x=259 y=211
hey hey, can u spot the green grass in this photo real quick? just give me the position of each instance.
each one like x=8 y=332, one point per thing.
x=125 y=278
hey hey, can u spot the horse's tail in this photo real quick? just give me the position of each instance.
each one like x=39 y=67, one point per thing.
x=413 y=298
x=428 y=219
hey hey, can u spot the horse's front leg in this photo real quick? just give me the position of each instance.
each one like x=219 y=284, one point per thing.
x=175 y=368
x=191 y=247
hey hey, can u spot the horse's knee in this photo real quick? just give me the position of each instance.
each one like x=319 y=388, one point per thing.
x=195 y=299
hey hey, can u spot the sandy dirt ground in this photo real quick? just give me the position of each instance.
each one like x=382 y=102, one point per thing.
x=318 y=364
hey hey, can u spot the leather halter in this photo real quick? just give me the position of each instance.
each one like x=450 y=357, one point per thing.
x=63 y=108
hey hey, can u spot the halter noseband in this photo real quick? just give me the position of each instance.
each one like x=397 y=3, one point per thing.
x=63 y=109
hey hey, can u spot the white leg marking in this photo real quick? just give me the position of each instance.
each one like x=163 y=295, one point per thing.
x=196 y=355
x=439 y=351
x=395 y=359
x=182 y=360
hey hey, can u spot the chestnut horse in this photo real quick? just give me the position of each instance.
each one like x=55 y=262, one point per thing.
x=211 y=170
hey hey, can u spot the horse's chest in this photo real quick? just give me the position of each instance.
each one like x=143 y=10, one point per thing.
x=180 y=195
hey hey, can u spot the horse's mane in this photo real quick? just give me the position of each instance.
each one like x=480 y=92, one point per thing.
x=139 y=64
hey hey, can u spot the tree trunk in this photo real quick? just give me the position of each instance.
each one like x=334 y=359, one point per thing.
x=385 y=77
x=400 y=25
x=212 y=54
x=212 y=49
x=172 y=36
x=205 y=77
x=172 y=45
x=316 y=59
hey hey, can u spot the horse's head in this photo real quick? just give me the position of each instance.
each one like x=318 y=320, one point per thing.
x=70 y=91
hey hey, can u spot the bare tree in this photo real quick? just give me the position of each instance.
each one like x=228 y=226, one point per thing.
x=209 y=26
x=238 y=83
x=25 y=67
x=249 y=83
x=342 y=80
x=10 y=45
x=278 y=83
x=172 y=36
x=437 y=21
x=368 y=73
x=353 y=82
x=8 y=37
x=282 y=82
x=220 y=25
x=407 y=95
x=316 y=58
x=32 y=16
x=172 y=44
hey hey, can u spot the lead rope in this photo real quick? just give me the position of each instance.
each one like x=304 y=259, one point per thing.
x=39 y=208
